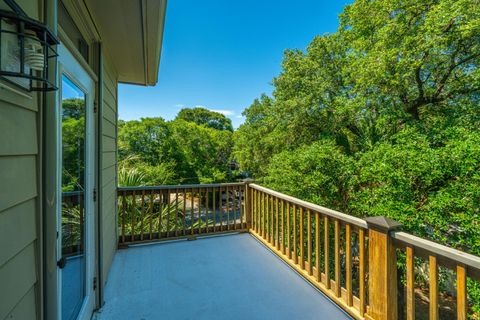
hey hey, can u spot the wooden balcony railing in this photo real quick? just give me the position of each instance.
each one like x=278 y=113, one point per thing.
x=462 y=264
x=354 y=261
x=169 y=212
x=326 y=247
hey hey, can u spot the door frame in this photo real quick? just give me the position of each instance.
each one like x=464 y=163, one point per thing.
x=71 y=67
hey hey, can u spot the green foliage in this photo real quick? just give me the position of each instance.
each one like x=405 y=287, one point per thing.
x=318 y=173
x=73 y=144
x=380 y=118
x=153 y=151
x=204 y=117
x=206 y=150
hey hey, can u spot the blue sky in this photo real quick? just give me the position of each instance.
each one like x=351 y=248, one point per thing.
x=223 y=54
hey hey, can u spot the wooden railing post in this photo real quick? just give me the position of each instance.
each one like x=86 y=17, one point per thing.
x=382 y=284
x=248 y=203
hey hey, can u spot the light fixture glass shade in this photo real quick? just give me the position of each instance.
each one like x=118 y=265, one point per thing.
x=27 y=46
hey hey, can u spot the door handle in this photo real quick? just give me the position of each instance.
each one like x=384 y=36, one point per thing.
x=62 y=263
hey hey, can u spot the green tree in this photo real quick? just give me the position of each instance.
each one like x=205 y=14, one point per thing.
x=202 y=116
x=206 y=150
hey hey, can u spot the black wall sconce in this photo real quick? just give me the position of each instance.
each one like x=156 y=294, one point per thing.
x=26 y=47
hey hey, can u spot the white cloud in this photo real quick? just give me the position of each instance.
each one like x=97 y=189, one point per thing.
x=179 y=106
x=227 y=113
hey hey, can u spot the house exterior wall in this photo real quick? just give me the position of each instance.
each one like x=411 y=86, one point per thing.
x=20 y=159
x=28 y=140
x=108 y=164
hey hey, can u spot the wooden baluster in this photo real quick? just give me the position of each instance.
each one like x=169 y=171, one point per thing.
x=255 y=211
x=259 y=217
x=214 y=210
x=282 y=226
x=252 y=206
x=134 y=207
x=238 y=207
x=302 y=240
x=259 y=206
x=348 y=261
x=142 y=214
x=361 y=272
x=199 y=211
x=272 y=222
x=317 y=246
x=151 y=214
x=338 y=290
x=175 y=223
x=192 y=214
x=309 y=242
x=326 y=250
x=269 y=218
x=206 y=208
x=160 y=195
x=124 y=215
x=410 y=285
x=433 y=283
x=247 y=207
x=169 y=209
x=289 y=237
x=220 y=200
x=242 y=198
x=277 y=218
x=462 y=302
x=242 y=204
x=234 y=208
x=227 y=205
x=264 y=215
x=295 y=254
x=184 y=226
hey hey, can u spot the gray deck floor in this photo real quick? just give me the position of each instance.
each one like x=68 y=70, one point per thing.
x=227 y=277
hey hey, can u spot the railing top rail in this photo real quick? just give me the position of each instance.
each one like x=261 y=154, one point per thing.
x=308 y=205
x=181 y=186
x=451 y=254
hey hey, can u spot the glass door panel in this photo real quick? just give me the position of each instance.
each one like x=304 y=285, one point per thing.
x=73 y=262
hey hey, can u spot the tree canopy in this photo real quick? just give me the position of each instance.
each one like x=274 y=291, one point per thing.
x=154 y=151
x=202 y=116
x=380 y=118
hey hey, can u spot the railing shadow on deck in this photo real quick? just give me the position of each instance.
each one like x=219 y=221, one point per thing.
x=351 y=260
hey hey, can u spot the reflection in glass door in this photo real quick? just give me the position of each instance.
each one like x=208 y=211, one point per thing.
x=73 y=245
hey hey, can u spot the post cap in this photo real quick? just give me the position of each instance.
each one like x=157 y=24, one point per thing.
x=383 y=224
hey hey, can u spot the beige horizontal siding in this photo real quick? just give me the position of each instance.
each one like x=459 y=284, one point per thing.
x=109 y=169
x=19 y=180
x=17 y=276
x=19 y=214
x=10 y=233
x=109 y=128
x=25 y=309
x=19 y=134
x=109 y=114
x=108 y=159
